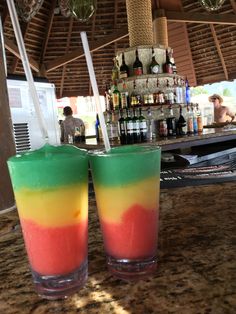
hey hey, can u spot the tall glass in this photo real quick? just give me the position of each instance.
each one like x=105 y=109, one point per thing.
x=51 y=192
x=126 y=182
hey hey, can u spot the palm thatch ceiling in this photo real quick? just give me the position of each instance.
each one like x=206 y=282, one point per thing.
x=204 y=43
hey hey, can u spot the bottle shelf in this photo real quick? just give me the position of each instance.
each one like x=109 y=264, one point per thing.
x=145 y=90
x=160 y=76
x=147 y=106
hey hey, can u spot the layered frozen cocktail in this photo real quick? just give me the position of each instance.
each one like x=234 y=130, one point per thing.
x=126 y=182
x=51 y=192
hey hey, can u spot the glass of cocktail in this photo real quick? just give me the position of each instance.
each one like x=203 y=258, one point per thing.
x=126 y=181
x=51 y=192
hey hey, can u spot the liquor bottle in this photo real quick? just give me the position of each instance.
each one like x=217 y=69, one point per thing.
x=154 y=65
x=135 y=97
x=143 y=126
x=181 y=125
x=162 y=124
x=155 y=94
x=194 y=114
x=137 y=66
x=180 y=91
x=116 y=97
x=161 y=97
x=172 y=60
x=171 y=123
x=107 y=97
x=149 y=94
x=169 y=93
x=79 y=135
x=121 y=126
x=108 y=125
x=124 y=69
x=199 y=119
x=187 y=92
x=129 y=128
x=115 y=70
x=82 y=130
x=168 y=68
x=97 y=129
x=136 y=128
x=146 y=94
x=176 y=91
x=124 y=96
x=114 y=128
x=150 y=126
x=189 y=120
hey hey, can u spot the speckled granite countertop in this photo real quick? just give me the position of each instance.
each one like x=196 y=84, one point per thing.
x=197 y=263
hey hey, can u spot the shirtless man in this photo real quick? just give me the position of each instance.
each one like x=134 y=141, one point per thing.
x=221 y=113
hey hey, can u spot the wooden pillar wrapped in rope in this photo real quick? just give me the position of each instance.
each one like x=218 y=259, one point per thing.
x=139 y=15
x=160 y=29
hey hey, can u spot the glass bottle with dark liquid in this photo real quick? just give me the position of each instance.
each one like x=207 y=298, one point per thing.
x=136 y=128
x=143 y=126
x=171 y=123
x=124 y=69
x=129 y=128
x=137 y=66
x=154 y=65
x=121 y=126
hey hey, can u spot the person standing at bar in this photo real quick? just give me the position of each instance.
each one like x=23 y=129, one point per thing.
x=221 y=113
x=69 y=125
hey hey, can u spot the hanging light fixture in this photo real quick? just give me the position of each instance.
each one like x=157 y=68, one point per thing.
x=211 y=5
x=82 y=9
x=27 y=9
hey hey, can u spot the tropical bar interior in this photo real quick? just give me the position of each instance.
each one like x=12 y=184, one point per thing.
x=165 y=73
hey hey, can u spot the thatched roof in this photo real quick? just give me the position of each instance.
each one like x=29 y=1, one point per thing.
x=204 y=43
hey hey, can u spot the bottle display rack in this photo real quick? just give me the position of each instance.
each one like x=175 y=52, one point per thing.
x=142 y=105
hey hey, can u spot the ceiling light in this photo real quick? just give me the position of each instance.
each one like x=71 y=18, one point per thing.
x=211 y=5
x=82 y=9
x=27 y=9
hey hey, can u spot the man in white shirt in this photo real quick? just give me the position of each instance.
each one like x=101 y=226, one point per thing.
x=70 y=126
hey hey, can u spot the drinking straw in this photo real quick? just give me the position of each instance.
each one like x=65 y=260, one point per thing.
x=95 y=89
x=26 y=66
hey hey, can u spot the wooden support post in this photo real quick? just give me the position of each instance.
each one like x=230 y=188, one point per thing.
x=7 y=144
x=139 y=16
x=160 y=29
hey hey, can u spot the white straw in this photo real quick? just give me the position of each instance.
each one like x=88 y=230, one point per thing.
x=95 y=89
x=28 y=73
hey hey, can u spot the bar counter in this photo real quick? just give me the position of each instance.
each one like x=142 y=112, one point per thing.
x=208 y=136
x=196 y=272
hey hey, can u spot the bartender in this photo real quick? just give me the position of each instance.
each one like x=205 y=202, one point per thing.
x=69 y=125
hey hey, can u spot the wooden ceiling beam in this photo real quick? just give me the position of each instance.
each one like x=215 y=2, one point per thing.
x=217 y=44
x=233 y=4
x=79 y=53
x=10 y=46
x=67 y=49
x=48 y=32
x=25 y=27
x=4 y=16
x=188 y=17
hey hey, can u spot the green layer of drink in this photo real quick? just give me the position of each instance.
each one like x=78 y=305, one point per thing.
x=53 y=160
x=137 y=163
